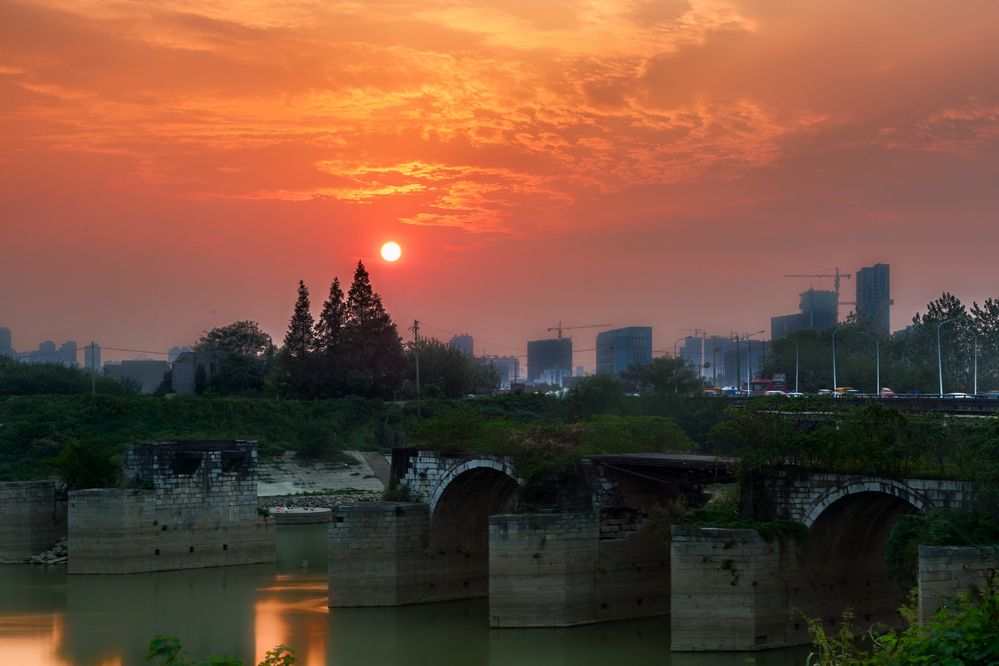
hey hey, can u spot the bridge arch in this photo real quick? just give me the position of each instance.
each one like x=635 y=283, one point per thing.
x=499 y=465
x=882 y=486
x=844 y=564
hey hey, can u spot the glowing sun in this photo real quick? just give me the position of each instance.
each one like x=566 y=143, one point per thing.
x=391 y=251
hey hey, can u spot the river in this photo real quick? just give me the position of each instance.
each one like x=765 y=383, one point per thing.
x=50 y=619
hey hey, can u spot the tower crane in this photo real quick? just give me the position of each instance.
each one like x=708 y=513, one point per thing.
x=561 y=328
x=835 y=276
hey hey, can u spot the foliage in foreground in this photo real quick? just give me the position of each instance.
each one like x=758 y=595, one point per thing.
x=168 y=651
x=945 y=527
x=964 y=632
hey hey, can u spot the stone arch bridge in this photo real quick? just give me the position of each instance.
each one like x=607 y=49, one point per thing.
x=595 y=557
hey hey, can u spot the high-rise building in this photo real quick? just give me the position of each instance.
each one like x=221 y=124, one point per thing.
x=176 y=351
x=463 y=343
x=874 y=297
x=67 y=353
x=621 y=347
x=92 y=357
x=147 y=374
x=507 y=367
x=46 y=353
x=549 y=360
x=6 y=343
x=818 y=309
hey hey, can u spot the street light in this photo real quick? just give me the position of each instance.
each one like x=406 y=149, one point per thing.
x=976 y=363
x=676 y=369
x=939 y=357
x=749 y=359
x=784 y=337
x=835 y=331
x=877 y=361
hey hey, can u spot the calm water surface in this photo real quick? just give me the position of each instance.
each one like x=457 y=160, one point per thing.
x=48 y=618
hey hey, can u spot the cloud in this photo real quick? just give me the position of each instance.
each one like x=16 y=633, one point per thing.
x=485 y=116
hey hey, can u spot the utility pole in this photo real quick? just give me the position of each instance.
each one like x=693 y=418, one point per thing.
x=939 y=356
x=416 y=356
x=93 y=369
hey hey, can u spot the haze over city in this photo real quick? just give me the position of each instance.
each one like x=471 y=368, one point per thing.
x=169 y=167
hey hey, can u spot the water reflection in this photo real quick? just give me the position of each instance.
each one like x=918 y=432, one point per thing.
x=49 y=619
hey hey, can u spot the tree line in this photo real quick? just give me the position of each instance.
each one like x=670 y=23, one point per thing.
x=352 y=348
x=908 y=359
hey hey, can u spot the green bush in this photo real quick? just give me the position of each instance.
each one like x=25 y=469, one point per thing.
x=945 y=527
x=964 y=632
x=88 y=463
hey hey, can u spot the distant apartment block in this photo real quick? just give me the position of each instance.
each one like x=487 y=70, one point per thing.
x=184 y=371
x=549 y=360
x=176 y=351
x=47 y=353
x=621 y=347
x=507 y=367
x=148 y=374
x=874 y=297
x=817 y=310
x=6 y=343
x=92 y=357
x=463 y=343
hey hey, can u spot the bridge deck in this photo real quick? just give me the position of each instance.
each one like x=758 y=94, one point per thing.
x=677 y=467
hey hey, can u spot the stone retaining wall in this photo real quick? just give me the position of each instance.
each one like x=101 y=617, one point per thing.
x=32 y=519
x=948 y=571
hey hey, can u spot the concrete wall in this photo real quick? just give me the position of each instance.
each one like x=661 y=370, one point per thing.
x=550 y=570
x=32 y=519
x=380 y=555
x=731 y=590
x=194 y=505
x=948 y=571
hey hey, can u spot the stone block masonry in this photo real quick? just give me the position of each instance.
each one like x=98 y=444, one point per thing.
x=32 y=519
x=554 y=570
x=380 y=555
x=948 y=571
x=191 y=505
x=730 y=590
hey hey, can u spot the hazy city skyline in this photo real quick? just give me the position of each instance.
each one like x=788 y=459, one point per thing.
x=167 y=168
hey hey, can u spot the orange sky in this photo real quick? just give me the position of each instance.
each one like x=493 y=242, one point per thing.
x=166 y=167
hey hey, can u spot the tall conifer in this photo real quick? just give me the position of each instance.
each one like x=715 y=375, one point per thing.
x=326 y=344
x=372 y=347
x=298 y=344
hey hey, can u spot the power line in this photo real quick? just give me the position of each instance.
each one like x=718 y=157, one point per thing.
x=485 y=342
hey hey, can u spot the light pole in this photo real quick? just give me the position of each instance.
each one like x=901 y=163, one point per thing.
x=877 y=361
x=835 y=331
x=784 y=337
x=976 y=364
x=939 y=356
x=676 y=368
x=749 y=359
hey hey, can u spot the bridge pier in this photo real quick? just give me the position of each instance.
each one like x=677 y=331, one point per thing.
x=560 y=570
x=732 y=590
x=380 y=555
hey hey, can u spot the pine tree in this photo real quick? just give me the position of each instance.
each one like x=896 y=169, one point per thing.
x=295 y=355
x=326 y=344
x=373 y=355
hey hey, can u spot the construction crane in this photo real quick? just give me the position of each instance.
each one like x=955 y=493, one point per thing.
x=835 y=276
x=561 y=328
